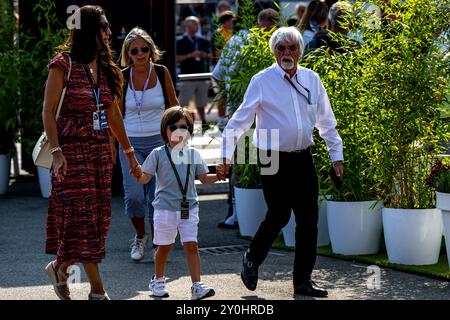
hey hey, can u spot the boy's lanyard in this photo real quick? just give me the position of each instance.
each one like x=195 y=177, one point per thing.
x=180 y=185
x=139 y=102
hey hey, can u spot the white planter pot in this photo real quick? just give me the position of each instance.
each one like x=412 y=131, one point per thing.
x=412 y=236
x=44 y=181
x=251 y=210
x=323 y=239
x=443 y=203
x=354 y=227
x=446 y=219
x=5 y=166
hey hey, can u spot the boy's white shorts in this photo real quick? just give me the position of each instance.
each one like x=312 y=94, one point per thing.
x=166 y=224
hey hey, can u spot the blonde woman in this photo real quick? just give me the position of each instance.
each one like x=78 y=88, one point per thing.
x=147 y=92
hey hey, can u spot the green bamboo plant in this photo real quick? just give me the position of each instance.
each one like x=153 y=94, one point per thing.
x=386 y=94
x=35 y=52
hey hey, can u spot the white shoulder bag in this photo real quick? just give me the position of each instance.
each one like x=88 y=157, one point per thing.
x=41 y=152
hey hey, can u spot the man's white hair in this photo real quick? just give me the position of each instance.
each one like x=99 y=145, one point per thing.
x=284 y=34
x=193 y=18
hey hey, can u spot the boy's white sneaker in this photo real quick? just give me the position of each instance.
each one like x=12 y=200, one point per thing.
x=158 y=287
x=138 y=248
x=200 y=291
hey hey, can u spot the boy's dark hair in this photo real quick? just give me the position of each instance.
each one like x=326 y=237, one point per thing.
x=171 y=116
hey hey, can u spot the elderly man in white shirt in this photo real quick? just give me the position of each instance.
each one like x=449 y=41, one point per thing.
x=288 y=101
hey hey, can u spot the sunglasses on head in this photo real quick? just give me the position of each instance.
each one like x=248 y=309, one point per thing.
x=174 y=127
x=105 y=25
x=291 y=48
x=135 y=51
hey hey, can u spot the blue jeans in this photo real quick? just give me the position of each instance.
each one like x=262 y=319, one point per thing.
x=139 y=198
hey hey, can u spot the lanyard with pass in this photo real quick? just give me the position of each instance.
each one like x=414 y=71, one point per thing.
x=184 y=202
x=139 y=101
x=99 y=117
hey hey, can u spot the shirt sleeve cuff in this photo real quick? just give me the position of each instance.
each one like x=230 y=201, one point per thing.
x=227 y=154
x=337 y=156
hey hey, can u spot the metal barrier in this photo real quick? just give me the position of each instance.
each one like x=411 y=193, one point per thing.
x=195 y=76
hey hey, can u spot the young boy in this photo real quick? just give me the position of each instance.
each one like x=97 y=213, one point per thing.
x=175 y=166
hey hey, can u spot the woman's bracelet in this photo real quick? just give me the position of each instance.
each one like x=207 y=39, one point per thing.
x=55 y=149
x=129 y=150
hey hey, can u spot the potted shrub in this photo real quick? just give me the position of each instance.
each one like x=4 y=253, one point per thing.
x=439 y=179
x=251 y=207
x=406 y=87
x=353 y=206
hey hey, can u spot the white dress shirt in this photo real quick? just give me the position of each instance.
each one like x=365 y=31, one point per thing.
x=280 y=108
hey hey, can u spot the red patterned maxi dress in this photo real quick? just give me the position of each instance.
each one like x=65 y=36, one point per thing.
x=79 y=208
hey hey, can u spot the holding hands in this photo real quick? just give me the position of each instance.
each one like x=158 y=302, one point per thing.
x=137 y=171
x=220 y=173
x=223 y=169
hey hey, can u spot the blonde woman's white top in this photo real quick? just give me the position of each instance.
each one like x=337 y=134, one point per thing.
x=148 y=122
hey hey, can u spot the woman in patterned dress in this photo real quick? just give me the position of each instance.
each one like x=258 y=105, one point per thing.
x=79 y=207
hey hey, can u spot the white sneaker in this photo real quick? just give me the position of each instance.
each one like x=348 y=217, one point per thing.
x=158 y=287
x=200 y=291
x=94 y=296
x=138 y=248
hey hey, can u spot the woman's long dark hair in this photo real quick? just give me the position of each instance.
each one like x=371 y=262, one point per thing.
x=82 y=46
x=316 y=10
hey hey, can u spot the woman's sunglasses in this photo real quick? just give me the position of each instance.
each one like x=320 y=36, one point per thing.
x=135 y=51
x=174 y=127
x=105 y=26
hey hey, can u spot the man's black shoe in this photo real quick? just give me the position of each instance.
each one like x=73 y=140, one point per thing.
x=309 y=288
x=249 y=274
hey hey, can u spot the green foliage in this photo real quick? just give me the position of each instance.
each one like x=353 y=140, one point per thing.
x=444 y=182
x=254 y=56
x=386 y=98
x=8 y=78
x=246 y=14
x=7 y=24
x=35 y=53
x=248 y=176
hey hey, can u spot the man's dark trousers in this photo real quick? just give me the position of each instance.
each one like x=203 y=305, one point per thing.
x=294 y=186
